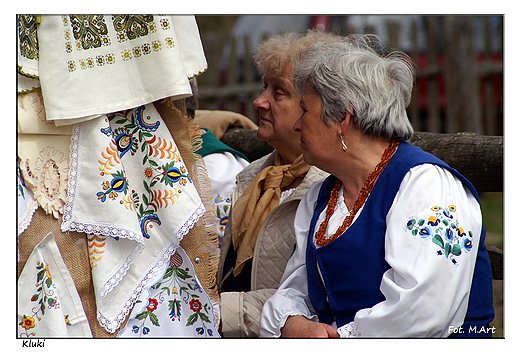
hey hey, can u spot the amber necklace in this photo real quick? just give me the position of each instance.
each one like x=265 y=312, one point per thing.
x=363 y=194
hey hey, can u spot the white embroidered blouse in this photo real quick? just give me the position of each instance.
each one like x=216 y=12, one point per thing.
x=426 y=290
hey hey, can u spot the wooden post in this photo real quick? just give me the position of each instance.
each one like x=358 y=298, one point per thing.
x=433 y=120
x=489 y=104
x=462 y=98
x=230 y=103
x=414 y=105
x=249 y=109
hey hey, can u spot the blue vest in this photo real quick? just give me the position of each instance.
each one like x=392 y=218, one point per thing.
x=352 y=266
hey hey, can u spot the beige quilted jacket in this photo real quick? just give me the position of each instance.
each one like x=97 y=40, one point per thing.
x=240 y=311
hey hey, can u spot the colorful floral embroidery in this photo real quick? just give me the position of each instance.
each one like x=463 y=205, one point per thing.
x=44 y=296
x=96 y=243
x=133 y=136
x=444 y=231
x=222 y=211
x=176 y=286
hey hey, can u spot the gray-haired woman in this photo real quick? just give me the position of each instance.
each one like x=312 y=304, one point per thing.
x=395 y=244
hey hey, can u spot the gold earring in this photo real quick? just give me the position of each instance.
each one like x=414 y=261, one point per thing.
x=343 y=146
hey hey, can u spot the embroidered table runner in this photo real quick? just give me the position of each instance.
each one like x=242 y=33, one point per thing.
x=130 y=191
x=108 y=63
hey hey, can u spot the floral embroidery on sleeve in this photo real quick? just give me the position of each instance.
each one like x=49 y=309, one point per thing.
x=444 y=231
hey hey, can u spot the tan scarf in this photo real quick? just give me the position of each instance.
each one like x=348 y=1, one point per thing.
x=257 y=201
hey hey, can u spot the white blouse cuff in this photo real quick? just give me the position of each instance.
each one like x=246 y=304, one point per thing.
x=348 y=330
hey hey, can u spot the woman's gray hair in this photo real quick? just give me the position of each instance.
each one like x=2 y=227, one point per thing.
x=361 y=77
x=273 y=55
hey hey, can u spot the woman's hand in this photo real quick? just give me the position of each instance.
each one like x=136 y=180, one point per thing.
x=300 y=327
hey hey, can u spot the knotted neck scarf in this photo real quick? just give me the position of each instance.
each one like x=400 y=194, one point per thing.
x=258 y=200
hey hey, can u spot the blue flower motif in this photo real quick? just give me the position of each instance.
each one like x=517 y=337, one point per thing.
x=210 y=332
x=224 y=221
x=448 y=234
x=175 y=312
x=135 y=329
x=118 y=184
x=467 y=244
x=107 y=130
x=146 y=330
x=142 y=124
x=426 y=232
x=173 y=174
x=145 y=220
x=101 y=196
x=200 y=330
x=124 y=143
x=196 y=286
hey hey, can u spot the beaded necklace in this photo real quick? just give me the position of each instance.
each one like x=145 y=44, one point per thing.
x=363 y=194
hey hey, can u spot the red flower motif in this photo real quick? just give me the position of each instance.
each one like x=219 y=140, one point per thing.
x=152 y=304
x=195 y=305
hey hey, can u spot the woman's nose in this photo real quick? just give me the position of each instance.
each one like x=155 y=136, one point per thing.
x=297 y=125
x=261 y=102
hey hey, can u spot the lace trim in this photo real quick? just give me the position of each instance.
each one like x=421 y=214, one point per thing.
x=112 y=324
x=70 y=224
x=348 y=331
x=181 y=231
x=24 y=223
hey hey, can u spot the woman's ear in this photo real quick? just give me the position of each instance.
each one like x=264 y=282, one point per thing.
x=343 y=126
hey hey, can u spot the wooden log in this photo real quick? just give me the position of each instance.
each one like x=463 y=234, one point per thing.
x=478 y=157
x=247 y=142
x=496 y=257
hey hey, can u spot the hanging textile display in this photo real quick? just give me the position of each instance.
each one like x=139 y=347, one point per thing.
x=108 y=63
x=129 y=183
x=121 y=177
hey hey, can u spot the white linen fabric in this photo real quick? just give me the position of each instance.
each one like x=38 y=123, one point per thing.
x=129 y=187
x=222 y=169
x=26 y=204
x=419 y=276
x=43 y=150
x=90 y=65
x=175 y=306
x=26 y=84
x=48 y=303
